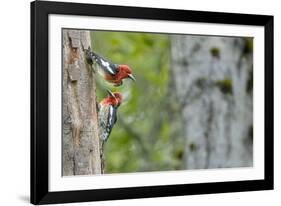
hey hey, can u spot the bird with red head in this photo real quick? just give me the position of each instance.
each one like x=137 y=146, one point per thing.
x=112 y=73
x=108 y=113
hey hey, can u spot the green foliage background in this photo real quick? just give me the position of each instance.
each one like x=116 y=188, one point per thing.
x=148 y=135
x=142 y=138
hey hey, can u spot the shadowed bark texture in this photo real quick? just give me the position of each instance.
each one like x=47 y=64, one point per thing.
x=213 y=82
x=81 y=150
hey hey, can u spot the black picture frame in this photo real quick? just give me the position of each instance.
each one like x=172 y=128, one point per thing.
x=40 y=108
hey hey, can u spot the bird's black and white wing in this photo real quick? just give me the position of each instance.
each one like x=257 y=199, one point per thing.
x=107 y=119
x=106 y=66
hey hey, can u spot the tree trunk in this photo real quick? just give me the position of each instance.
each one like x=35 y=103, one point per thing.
x=81 y=149
x=213 y=82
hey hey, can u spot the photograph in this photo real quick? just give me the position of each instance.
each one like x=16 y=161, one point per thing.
x=154 y=102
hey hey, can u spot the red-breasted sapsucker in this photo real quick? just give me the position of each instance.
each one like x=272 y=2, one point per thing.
x=108 y=114
x=112 y=73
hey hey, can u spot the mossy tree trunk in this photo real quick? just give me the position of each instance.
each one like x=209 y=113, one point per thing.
x=81 y=149
x=213 y=82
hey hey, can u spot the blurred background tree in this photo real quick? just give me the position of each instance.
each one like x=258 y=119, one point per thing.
x=213 y=79
x=156 y=130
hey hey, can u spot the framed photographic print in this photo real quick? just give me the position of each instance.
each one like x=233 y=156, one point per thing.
x=131 y=102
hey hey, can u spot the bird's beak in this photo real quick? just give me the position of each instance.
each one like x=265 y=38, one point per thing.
x=111 y=94
x=132 y=77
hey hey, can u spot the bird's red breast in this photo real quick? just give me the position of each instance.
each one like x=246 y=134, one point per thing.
x=123 y=73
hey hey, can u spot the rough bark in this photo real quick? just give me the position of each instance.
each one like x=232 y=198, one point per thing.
x=212 y=79
x=81 y=149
